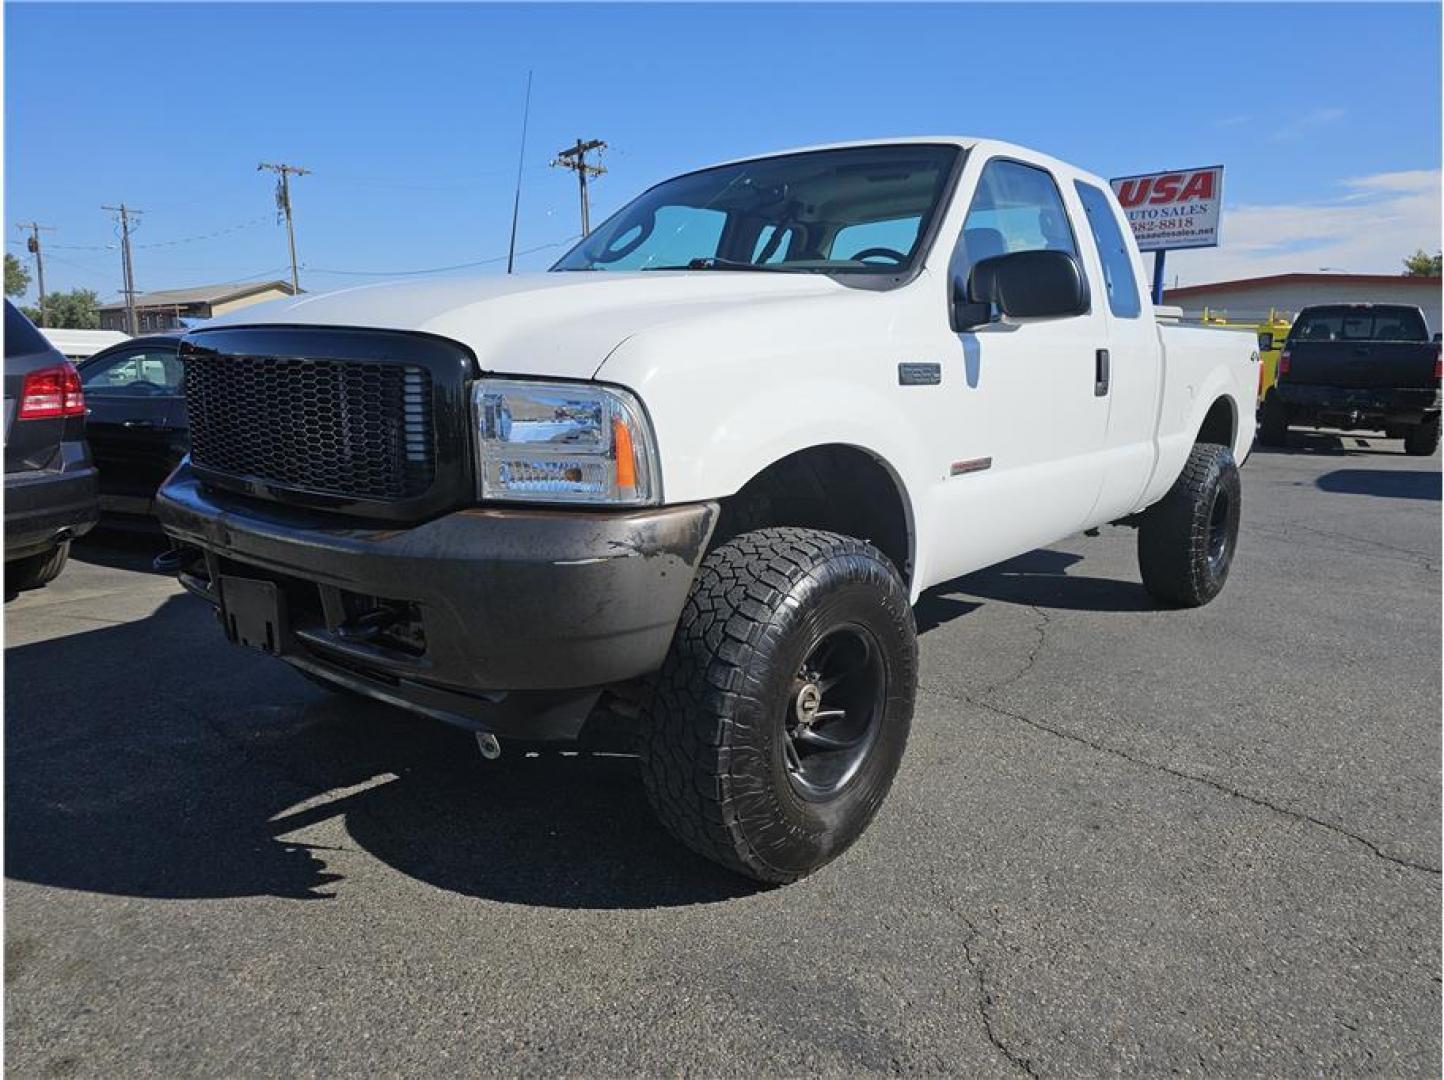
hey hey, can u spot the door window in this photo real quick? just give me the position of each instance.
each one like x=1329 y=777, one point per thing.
x=1015 y=208
x=1118 y=276
x=141 y=373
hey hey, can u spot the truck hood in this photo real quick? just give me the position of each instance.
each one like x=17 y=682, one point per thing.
x=562 y=325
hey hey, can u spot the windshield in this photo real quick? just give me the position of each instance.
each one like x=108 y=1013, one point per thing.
x=1360 y=324
x=864 y=210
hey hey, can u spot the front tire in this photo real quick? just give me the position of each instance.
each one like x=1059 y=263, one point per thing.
x=1187 y=540
x=1422 y=440
x=781 y=713
x=33 y=571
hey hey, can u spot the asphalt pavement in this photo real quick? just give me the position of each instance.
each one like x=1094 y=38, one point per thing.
x=1123 y=840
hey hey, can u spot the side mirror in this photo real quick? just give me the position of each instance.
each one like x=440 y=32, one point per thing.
x=1021 y=285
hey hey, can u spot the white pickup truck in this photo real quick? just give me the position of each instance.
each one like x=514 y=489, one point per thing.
x=693 y=479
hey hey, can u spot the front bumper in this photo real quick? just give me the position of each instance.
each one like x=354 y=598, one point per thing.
x=508 y=620
x=43 y=507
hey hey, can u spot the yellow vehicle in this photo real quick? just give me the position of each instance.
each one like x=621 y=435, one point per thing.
x=1272 y=332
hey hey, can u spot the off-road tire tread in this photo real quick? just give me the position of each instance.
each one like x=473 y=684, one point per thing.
x=687 y=731
x=1173 y=534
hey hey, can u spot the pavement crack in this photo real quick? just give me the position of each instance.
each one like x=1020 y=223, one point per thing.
x=984 y=997
x=1377 y=548
x=986 y=1001
x=1255 y=800
x=1040 y=628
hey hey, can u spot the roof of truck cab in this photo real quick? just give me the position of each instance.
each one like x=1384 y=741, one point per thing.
x=973 y=143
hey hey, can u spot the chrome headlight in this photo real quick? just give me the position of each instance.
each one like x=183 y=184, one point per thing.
x=563 y=442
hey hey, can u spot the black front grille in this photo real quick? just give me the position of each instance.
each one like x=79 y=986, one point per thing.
x=354 y=429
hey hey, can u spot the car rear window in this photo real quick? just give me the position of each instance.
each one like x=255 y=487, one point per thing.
x=21 y=338
x=1360 y=324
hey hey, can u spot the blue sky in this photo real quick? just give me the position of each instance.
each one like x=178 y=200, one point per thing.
x=1326 y=117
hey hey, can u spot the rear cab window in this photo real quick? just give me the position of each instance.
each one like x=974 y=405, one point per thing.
x=1346 y=323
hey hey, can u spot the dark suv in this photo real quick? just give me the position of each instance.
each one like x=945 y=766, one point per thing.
x=50 y=481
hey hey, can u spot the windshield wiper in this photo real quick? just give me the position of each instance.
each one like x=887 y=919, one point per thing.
x=712 y=263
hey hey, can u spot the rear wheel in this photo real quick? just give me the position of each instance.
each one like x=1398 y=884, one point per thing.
x=780 y=715
x=33 y=571
x=1273 y=428
x=1186 y=541
x=1422 y=439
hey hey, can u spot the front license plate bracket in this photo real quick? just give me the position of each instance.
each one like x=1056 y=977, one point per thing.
x=253 y=612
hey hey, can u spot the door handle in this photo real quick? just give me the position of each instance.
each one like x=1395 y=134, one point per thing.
x=1100 y=373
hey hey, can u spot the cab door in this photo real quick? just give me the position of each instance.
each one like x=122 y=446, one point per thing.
x=1135 y=359
x=1034 y=392
x=135 y=421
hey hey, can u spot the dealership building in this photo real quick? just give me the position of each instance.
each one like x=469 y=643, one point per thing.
x=1251 y=299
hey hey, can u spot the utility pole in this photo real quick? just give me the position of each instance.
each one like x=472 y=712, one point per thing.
x=32 y=245
x=283 y=201
x=575 y=158
x=127 y=267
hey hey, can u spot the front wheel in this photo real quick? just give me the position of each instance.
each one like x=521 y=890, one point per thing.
x=780 y=715
x=1187 y=539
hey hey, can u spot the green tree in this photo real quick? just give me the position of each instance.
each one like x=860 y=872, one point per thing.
x=1419 y=264
x=17 y=278
x=77 y=309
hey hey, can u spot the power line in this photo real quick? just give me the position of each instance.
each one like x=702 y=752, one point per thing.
x=32 y=245
x=283 y=201
x=440 y=269
x=224 y=231
x=575 y=158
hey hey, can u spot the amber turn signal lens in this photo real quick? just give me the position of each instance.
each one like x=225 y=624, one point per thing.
x=626 y=456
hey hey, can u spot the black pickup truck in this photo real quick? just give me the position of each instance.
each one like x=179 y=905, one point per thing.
x=1357 y=367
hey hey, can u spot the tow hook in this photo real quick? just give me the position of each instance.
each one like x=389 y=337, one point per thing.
x=488 y=744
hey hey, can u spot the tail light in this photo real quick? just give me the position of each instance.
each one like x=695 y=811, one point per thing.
x=1284 y=362
x=51 y=392
x=1438 y=364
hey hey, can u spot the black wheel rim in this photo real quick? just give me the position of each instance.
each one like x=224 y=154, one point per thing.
x=834 y=711
x=1218 y=531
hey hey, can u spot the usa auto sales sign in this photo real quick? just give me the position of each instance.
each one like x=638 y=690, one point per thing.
x=1171 y=210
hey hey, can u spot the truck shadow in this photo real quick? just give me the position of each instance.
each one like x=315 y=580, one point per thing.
x=164 y=763
x=1038 y=579
x=1382 y=483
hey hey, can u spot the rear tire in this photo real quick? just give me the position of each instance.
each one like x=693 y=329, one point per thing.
x=1422 y=439
x=33 y=571
x=1273 y=428
x=780 y=715
x=1186 y=541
